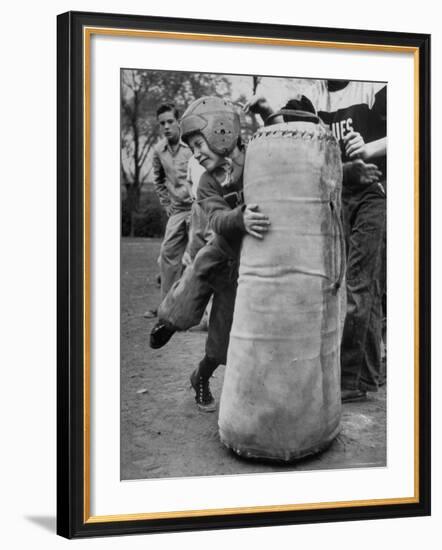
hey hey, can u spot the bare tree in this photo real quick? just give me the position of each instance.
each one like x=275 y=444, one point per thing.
x=142 y=92
x=137 y=138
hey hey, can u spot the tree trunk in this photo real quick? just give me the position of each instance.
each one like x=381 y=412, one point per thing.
x=133 y=204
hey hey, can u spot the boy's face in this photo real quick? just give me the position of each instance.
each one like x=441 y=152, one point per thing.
x=169 y=126
x=203 y=154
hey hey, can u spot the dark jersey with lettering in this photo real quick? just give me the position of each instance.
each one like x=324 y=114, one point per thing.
x=359 y=107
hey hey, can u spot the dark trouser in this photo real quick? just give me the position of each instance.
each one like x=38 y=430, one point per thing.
x=364 y=211
x=220 y=321
x=213 y=273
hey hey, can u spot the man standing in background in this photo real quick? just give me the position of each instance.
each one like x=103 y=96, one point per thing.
x=356 y=113
x=170 y=160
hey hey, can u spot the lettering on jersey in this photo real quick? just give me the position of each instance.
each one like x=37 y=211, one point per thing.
x=341 y=128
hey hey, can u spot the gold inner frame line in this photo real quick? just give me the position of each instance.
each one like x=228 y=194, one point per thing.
x=247 y=40
x=87 y=33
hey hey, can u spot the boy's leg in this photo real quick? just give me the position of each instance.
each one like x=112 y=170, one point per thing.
x=198 y=231
x=199 y=379
x=182 y=308
x=184 y=305
x=172 y=250
x=217 y=342
x=220 y=323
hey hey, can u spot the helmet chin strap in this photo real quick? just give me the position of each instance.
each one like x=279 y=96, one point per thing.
x=227 y=166
x=233 y=162
x=234 y=155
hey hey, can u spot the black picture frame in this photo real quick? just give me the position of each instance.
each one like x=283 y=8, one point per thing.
x=73 y=518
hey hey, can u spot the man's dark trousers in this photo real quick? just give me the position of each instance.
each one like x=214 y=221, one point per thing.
x=364 y=213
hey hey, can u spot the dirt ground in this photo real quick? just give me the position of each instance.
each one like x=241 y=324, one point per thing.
x=164 y=435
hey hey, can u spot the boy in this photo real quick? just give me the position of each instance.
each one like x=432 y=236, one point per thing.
x=169 y=162
x=211 y=128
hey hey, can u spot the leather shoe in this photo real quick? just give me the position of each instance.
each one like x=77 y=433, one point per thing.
x=161 y=333
x=150 y=314
x=352 y=396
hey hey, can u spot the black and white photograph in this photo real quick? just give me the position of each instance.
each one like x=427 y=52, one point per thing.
x=253 y=288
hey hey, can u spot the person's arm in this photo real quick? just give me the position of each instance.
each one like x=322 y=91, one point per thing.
x=159 y=182
x=357 y=172
x=223 y=220
x=229 y=222
x=356 y=148
x=259 y=105
x=376 y=148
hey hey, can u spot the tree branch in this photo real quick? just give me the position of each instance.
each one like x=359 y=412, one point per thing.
x=143 y=155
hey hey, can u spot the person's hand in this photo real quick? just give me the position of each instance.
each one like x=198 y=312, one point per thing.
x=358 y=172
x=256 y=224
x=355 y=146
x=258 y=104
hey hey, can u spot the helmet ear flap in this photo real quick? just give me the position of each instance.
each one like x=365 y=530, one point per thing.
x=190 y=124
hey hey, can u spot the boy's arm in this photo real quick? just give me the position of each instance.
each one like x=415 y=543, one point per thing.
x=159 y=182
x=223 y=220
x=231 y=223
